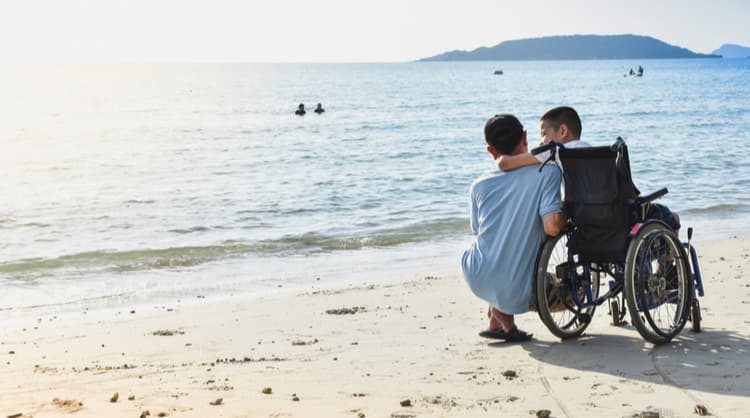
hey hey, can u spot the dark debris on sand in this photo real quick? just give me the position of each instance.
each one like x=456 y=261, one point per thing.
x=303 y=342
x=167 y=332
x=242 y=360
x=346 y=310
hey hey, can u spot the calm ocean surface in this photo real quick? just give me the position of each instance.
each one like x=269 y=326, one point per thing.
x=125 y=182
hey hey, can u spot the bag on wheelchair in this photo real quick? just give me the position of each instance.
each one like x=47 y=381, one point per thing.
x=598 y=192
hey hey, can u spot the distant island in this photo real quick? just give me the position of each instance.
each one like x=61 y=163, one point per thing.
x=733 y=51
x=573 y=47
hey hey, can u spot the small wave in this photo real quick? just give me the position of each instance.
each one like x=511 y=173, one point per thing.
x=108 y=261
x=404 y=155
x=120 y=261
x=138 y=202
x=642 y=113
x=34 y=225
x=414 y=233
x=190 y=230
x=720 y=209
x=10 y=224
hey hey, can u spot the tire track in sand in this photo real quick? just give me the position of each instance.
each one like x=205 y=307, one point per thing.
x=668 y=380
x=545 y=382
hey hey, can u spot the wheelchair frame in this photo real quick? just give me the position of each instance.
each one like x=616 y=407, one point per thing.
x=566 y=290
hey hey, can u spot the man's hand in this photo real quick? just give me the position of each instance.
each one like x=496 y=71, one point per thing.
x=554 y=223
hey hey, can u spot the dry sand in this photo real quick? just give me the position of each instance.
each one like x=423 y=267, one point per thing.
x=365 y=351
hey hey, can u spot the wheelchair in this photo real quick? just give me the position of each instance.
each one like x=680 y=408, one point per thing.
x=648 y=271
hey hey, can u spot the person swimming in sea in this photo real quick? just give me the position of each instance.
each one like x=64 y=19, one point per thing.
x=319 y=108
x=300 y=110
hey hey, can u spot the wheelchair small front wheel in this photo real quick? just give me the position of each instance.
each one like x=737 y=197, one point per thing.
x=616 y=317
x=658 y=290
x=556 y=305
x=695 y=315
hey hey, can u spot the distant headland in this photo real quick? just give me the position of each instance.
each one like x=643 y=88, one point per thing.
x=733 y=51
x=573 y=47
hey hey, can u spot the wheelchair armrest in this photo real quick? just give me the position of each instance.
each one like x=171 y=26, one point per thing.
x=653 y=196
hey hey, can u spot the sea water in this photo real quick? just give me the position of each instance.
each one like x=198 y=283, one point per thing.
x=125 y=182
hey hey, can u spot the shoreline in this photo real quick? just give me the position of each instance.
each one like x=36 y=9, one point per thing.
x=365 y=349
x=256 y=276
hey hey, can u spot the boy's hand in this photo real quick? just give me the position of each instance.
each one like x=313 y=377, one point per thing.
x=499 y=161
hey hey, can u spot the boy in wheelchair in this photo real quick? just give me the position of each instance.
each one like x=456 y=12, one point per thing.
x=613 y=231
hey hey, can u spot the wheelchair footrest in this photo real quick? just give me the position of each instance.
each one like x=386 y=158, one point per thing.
x=584 y=318
x=565 y=270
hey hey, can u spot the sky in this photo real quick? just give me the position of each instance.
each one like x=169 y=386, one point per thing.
x=340 y=30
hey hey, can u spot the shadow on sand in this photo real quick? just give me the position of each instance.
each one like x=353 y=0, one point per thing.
x=711 y=361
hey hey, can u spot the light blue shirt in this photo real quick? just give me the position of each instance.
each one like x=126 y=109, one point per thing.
x=507 y=208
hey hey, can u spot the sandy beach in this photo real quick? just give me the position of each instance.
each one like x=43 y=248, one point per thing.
x=403 y=349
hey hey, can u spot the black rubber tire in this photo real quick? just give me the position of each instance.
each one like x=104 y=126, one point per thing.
x=695 y=315
x=642 y=286
x=615 y=308
x=566 y=323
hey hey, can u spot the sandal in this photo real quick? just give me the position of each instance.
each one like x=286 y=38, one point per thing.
x=495 y=334
x=516 y=335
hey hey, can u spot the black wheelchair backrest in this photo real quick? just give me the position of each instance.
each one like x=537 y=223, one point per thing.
x=599 y=193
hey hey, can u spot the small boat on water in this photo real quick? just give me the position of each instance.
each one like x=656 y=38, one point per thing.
x=498 y=72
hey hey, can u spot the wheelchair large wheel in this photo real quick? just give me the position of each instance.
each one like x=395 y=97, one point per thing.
x=658 y=290
x=555 y=305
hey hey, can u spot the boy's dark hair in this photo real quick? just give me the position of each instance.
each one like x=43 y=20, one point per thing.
x=564 y=115
x=503 y=132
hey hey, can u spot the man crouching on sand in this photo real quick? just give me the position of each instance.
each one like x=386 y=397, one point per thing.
x=510 y=213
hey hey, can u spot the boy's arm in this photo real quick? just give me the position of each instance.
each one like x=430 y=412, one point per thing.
x=511 y=162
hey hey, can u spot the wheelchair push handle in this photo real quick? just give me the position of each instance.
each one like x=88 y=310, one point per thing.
x=617 y=146
x=540 y=149
x=653 y=196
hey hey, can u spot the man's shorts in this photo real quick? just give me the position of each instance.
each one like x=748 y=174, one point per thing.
x=662 y=213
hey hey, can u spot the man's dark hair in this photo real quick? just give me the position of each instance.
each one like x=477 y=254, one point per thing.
x=564 y=115
x=503 y=132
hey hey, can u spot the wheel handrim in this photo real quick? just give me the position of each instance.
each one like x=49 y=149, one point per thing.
x=660 y=301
